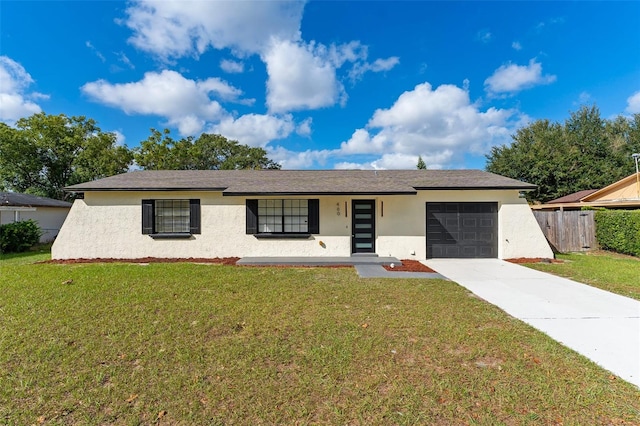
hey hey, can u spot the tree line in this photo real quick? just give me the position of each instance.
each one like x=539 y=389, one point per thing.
x=44 y=153
x=585 y=152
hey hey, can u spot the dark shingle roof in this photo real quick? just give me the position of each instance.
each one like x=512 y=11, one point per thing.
x=14 y=199
x=573 y=198
x=251 y=182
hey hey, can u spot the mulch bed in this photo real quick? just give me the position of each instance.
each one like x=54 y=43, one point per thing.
x=409 y=266
x=216 y=260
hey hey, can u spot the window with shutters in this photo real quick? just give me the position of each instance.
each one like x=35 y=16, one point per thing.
x=170 y=218
x=282 y=217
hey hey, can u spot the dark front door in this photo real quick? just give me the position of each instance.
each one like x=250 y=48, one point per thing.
x=462 y=230
x=363 y=228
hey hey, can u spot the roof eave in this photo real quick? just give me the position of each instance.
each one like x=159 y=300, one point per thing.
x=483 y=188
x=588 y=204
x=145 y=189
x=314 y=193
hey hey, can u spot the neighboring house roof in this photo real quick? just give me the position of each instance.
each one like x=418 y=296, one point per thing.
x=572 y=198
x=624 y=189
x=252 y=182
x=13 y=199
x=621 y=194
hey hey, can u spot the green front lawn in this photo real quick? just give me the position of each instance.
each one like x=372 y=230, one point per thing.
x=38 y=253
x=208 y=344
x=609 y=271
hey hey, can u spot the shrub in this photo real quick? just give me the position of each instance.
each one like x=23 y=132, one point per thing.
x=19 y=236
x=619 y=230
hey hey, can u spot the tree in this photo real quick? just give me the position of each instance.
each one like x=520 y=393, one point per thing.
x=208 y=152
x=584 y=152
x=45 y=153
x=421 y=164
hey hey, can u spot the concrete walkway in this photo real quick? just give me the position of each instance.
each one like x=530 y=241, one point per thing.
x=600 y=325
x=318 y=261
x=377 y=271
x=367 y=266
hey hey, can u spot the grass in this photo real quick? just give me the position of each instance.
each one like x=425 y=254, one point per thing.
x=38 y=253
x=206 y=344
x=606 y=270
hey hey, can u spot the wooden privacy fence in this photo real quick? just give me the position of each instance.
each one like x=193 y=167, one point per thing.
x=571 y=230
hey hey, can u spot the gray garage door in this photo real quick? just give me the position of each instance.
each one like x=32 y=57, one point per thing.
x=462 y=230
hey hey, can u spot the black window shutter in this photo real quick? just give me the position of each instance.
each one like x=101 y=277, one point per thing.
x=194 y=216
x=314 y=216
x=252 y=216
x=147 y=216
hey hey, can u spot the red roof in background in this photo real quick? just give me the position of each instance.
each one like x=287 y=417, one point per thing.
x=573 y=198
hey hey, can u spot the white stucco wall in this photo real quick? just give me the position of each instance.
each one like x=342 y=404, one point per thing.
x=108 y=225
x=50 y=219
x=520 y=235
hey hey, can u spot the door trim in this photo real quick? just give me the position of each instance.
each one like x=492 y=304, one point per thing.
x=359 y=244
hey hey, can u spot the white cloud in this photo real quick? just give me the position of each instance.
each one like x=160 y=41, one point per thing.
x=513 y=78
x=397 y=161
x=340 y=54
x=224 y=90
x=361 y=142
x=231 y=67
x=185 y=103
x=300 y=77
x=96 y=51
x=440 y=125
x=548 y=23
x=293 y=160
x=15 y=101
x=633 y=103
x=345 y=165
x=516 y=45
x=379 y=65
x=255 y=129
x=484 y=36
x=120 y=137
x=170 y=30
x=125 y=60
x=356 y=53
x=583 y=98
x=304 y=128
x=304 y=76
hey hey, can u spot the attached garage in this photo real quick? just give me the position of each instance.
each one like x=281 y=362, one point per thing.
x=462 y=230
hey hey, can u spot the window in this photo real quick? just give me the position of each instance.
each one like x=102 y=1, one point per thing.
x=286 y=216
x=170 y=218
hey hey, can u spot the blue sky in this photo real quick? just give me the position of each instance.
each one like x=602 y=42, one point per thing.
x=322 y=84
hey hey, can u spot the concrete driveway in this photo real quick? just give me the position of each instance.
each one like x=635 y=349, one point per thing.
x=600 y=325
